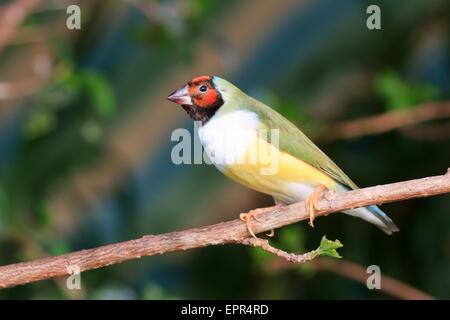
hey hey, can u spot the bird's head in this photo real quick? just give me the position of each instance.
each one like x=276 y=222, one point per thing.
x=201 y=97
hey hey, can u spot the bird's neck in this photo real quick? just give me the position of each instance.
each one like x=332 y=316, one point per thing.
x=201 y=114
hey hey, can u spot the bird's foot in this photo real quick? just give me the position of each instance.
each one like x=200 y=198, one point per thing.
x=246 y=217
x=311 y=203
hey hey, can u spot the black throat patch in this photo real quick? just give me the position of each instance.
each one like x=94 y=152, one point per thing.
x=202 y=114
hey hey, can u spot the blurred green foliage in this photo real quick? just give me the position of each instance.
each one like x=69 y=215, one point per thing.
x=87 y=87
x=315 y=63
x=399 y=94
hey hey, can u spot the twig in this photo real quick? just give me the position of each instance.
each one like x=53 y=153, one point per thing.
x=430 y=132
x=226 y=232
x=12 y=16
x=19 y=89
x=291 y=257
x=387 y=121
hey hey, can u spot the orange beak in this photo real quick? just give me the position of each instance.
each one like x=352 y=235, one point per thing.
x=181 y=96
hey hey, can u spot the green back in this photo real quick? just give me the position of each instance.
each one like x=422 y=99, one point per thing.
x=291 y=139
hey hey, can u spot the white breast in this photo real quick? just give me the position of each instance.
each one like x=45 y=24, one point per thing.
x=227 y=137
x=300 y=191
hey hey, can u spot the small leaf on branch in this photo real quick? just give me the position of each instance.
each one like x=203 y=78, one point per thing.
x=328 y=248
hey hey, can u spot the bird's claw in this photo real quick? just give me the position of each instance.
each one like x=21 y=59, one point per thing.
x=246 y=217
x=311 y=203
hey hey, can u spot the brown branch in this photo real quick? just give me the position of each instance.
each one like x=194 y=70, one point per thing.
x=226 y=232
x=33 y=250
x=430 y=132
x=358 y=273
x=19 y=89
x=387 y=121
x=12 y=16
x=291 y=257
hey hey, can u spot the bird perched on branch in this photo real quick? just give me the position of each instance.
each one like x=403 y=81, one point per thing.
x=254 y=145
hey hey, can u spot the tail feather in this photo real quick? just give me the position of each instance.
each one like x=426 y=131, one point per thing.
x=374 y=215
x=389 y=225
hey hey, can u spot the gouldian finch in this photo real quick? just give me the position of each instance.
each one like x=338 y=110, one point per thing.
x=231 y=124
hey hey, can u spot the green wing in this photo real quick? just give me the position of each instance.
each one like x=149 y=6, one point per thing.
x=296 y=143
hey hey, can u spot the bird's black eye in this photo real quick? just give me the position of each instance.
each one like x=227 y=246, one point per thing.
x=203 y=88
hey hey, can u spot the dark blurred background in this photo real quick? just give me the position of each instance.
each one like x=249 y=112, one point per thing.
x=85 y=139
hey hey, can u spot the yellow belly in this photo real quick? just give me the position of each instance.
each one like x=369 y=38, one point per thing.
x=266 y=169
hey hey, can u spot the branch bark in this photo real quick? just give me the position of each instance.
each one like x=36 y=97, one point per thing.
x=291 y=257
x=12 y=16
x=357 y=273
x=387 y=121
x=226 y=232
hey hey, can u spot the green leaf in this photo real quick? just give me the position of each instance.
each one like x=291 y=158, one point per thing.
x=328 y=248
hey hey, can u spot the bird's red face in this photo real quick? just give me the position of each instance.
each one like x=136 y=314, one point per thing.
x=199 y=98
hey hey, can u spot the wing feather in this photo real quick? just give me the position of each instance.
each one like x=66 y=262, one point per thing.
x=296 y=143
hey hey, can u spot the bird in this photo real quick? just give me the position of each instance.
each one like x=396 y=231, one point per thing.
x=231 y=126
